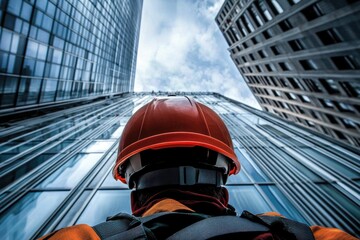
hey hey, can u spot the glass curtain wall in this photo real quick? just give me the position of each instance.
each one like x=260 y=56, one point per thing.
x=54 y=50
x=55 y=169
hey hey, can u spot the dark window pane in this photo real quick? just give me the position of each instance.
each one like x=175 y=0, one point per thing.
x=69 y=174
x=26 y=216
x=28 y=91
x=5 y=40
x=282 y=204
x=105 y=203
x=26 y=11
x=248 y=198
x=9 y=21
x=14 y=6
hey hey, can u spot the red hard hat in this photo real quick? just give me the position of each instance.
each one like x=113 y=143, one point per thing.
x=174 y=122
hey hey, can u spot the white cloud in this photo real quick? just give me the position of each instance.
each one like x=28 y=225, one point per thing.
x=181 y=49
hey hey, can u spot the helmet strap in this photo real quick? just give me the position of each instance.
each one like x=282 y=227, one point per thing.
x=180 y=176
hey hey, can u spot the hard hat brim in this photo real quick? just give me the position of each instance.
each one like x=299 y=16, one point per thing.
x=176 y=139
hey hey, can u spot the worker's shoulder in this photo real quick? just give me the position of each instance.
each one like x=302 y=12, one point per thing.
x=77 y=232
x=325 y=233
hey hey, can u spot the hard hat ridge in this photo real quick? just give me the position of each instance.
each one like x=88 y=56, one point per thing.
x=174 y=122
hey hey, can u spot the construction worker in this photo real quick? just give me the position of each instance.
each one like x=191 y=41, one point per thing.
x=177 y=154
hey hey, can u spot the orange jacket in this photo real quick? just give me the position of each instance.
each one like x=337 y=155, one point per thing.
x=85 y=232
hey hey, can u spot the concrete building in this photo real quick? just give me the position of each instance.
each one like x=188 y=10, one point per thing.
x=56 y=51
x=301 y=59
x=55 y=167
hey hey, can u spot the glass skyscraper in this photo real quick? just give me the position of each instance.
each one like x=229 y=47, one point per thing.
x=59 y=50
x=301 y=59
x=55 y=167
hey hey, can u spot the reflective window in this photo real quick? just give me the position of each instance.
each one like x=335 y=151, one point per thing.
x=105 y=203
x=69 y=174
x=14 y=6
x=5 y=40
x=28 y=90
x=252 y=169
x=277 y=6
x=247 y=198
x=98 y=146
x=282 y=204
x=32 y=48
x=333 y=164
x=294 y=168
x=26 y=11
x=26 y=216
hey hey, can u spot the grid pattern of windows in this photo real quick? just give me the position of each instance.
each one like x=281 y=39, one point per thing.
x=56 y=167
x=307 y=48
x=59 y=50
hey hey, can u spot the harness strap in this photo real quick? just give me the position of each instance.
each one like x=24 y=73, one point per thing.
x=283 y=227
x=211 y=227
x=120 y=226
x=195 y=225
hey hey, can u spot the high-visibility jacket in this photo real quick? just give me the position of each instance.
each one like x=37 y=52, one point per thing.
x=85 y=232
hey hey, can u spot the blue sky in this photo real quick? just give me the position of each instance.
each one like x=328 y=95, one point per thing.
x=182 y=49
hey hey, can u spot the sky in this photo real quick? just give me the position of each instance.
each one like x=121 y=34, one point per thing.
x=182 y=49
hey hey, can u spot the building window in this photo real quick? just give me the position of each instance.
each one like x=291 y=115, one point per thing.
x=262 y=53
x=264 y=10
x=305 y=98
x=275 y=50
x=312 y=85
x=255 y=16
x=296 y=45
x=344 y=63
x=251 y=56
x=266 y=34
x=326 y=103
x=277 y=9
x=276 y=93
x=346 y=107
x=270 y=67
x=292 y=2
x=312 y=12
x=300 y=110
x=339 y=134
x=308 y=64
x=284 y=66
x=348 y=123
x=291 y=96
x=285 y=25
x=330 y=85
x=294 y=82
x=351 y=89
x=254 y=40
x=258 y=68
x=329 y=36
x=249 y=27
x=331 y=118
x=310 y=123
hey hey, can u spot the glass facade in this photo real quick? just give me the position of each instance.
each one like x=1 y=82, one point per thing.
x=301 y=60
x=55 y=168
x=52 y=51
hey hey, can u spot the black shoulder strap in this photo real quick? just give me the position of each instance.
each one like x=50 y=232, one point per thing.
x=194 y=225
x=220 y=227
x=282 y=227
x=121 y=226
x=247 y=226
x=125 y=226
